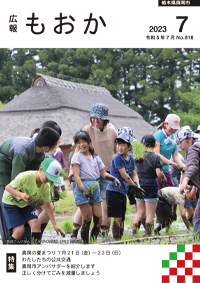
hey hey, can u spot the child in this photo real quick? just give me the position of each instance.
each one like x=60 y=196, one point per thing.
x=59 y=156
x=129 y=131
x=19 y=154
x=17 y=203
x=87 y=168
x=147 y=172
x=170 y=196
x=123 y=167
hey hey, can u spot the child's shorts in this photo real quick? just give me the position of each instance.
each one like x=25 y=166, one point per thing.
x=81 y=199
x=16 y=216
x=191 y=204
x=163 y=209
x=151 y=195
x=116 y=204
x=103 y=185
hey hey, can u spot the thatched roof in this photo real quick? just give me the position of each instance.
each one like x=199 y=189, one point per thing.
x=66 y=103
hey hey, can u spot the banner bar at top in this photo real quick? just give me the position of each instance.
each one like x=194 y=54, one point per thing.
x=178 y=3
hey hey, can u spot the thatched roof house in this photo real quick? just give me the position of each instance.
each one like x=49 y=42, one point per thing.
x=68 y=104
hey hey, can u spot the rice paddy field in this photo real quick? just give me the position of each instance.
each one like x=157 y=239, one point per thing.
x=65 y=210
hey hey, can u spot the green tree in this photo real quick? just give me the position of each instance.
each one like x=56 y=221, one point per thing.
x=192 y=99
x=24 y=68
x=7 y=91
x=74 y=63
x=162 y=78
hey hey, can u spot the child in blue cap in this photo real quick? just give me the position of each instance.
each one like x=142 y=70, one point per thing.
x=124 y=169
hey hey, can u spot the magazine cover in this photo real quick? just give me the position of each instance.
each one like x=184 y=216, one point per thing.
x=99 y=142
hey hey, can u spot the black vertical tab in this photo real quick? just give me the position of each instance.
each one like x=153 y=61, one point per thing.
x=11 y=262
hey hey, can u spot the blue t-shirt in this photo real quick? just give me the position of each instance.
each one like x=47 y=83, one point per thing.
x=165 y=149
x=118 y=162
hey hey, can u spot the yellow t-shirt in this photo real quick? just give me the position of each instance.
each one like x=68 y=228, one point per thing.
x=27 y=180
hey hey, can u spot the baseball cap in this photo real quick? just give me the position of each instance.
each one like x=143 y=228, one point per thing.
x=125 y=137
x=173 y=121
x=52 y=169
x=148 y=140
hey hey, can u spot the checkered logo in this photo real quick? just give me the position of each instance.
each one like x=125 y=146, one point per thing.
x=182 y=266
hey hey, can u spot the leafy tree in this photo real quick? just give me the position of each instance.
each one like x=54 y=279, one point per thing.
x=24 y=68
x=74 y=63
x=106 y=69
x=160 y=83
x=7 y=91
x=192 y=98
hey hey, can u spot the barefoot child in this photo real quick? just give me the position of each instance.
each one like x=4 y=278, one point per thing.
x=17 y=203
x=87 y=168
x=123 y=167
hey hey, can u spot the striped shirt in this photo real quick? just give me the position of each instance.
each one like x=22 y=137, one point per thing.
x=193 y=173
x=192 y=164
x=89 y=167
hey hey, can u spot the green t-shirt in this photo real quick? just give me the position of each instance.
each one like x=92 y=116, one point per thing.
x=27 y=179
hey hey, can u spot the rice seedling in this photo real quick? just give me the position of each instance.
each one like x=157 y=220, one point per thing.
x=67 y=226
x=125 y=238
x=138 y=152
x=63 y=173
x=93 y=187
x=186 y=240
x=35 y=198
x=91 y=190
x=55 y=196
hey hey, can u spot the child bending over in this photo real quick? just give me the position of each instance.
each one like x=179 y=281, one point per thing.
x=170 y=196
x=18 y=205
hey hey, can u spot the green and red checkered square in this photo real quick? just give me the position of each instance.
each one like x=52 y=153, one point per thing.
x=183 y=266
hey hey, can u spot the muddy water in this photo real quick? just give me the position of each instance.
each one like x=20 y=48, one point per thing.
x=51 y=237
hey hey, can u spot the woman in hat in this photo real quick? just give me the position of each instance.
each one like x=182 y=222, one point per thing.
x=102 y=137
x=166 y=146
